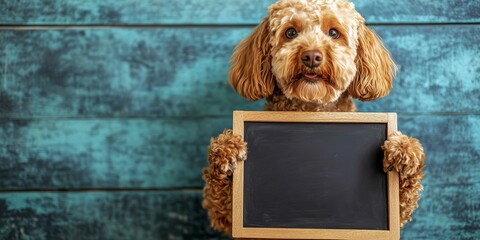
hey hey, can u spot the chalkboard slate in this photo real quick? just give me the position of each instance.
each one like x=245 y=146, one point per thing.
x=315 y=175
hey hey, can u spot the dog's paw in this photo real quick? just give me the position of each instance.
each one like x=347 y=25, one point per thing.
x=403 y=154
x=224 y=152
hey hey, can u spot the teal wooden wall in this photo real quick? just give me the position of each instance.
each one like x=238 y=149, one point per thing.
x=107 y=107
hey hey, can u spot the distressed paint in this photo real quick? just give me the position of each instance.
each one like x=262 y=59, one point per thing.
x=439 y=69
x=104 y=215
x=105 y=153
x=126 y=12
x=117 y=72
x=419 y=11
x=450 y=203
x=183 y=71
x=178 y=215
x=170 y=153
x=447 y=211
x=128 y=111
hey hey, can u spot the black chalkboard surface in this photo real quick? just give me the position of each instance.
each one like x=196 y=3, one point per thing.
x=314 y=175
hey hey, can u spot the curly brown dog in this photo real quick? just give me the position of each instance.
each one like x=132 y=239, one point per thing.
x=312 y=56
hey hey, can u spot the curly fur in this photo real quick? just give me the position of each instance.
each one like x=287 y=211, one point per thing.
x=270 y=64
x=405 y=155
x=223 y=154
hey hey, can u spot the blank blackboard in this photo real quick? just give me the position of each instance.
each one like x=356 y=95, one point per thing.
x=337 y=166
x=307 y=171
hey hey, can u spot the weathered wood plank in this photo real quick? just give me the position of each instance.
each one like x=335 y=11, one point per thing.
x=411 y=11
x=104 y=215
x=105 y=153
x=121 y=72
x=170 y=153
x=445 y=212
x=450 y=204
x=183 y=71
x=108 y=12
x=452 y=147
x=439 y=69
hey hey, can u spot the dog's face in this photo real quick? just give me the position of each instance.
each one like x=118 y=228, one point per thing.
x=312 y=50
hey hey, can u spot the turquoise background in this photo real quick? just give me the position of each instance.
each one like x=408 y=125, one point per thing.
x=107 y=108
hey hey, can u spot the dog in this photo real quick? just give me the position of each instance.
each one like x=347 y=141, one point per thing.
x=310 y=56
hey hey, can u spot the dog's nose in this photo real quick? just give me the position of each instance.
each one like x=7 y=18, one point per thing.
x=312 y=58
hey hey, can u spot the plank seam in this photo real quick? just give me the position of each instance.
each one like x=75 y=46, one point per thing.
x=65 y=190
x=153 y=117
x=187 y=25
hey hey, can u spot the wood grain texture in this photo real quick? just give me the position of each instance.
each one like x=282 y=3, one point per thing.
x=449 y=207
x=149 y=12
x=336 y=117
x=450 y=204
x=105 y=153
x=253 y=216
x=411 y=11
x=133 y=104
x=438 y=70
x=446 y=212
x=117 y=72
x=104 y=215
x=94 y=153
x=183 y=71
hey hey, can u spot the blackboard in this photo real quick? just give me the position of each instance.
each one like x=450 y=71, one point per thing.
x=314 y=171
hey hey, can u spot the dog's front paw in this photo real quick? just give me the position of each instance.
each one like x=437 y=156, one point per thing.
x=224 y=152
x=403 y=154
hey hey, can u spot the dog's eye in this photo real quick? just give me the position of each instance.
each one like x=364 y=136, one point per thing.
x=291 y=33
x=333 y=33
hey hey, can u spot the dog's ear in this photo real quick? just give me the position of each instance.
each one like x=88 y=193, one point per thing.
x=375 y=67
x=250 y=74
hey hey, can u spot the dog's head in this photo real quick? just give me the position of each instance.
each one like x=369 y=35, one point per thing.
x=313 y=50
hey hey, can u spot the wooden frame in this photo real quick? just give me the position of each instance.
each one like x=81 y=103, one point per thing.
x=239 y=231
